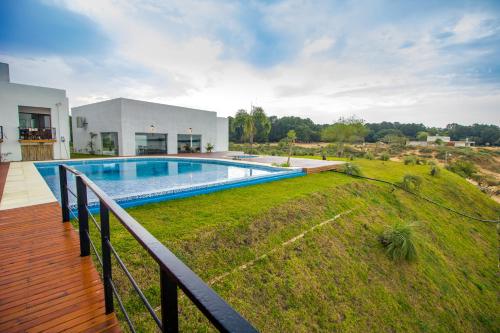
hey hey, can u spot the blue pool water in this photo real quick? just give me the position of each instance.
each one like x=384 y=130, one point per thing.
x=138 y=181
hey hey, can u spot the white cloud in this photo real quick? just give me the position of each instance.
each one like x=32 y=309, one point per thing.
x=184 y=60
x=317 y=46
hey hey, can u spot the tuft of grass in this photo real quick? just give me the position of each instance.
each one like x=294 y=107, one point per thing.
x=369 y=156
x=385 y=157
x=411 y=182
x=435 y=171
x=398 y=241
x=410 y=160
x=351 y=169
x=463 y=168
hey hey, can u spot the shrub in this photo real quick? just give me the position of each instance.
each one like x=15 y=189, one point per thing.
x=463 y=168
x=351 y=169
x=421 y=161
x=398 y=241
x=410 y=160
x=369 y=156
x=411 y=182
x=425 y=150
x=435 y=170
x=384 y=157
x=209 y=147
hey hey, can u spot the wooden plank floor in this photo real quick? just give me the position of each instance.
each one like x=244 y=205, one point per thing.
x=44 y=283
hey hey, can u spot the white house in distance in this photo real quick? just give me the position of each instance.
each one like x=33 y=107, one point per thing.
x=34 y=121
x=129 y=127
x=445 y=140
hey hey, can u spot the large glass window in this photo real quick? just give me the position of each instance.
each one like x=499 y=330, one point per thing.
x=34 y=120
x=187 y=143
x=109 y=143
x=150 y=143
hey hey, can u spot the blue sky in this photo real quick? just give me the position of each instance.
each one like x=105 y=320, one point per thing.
x=435 y=62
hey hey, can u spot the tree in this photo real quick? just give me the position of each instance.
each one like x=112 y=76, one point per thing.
x=262 y=124
x=345 y=130
x=306 y=129
x=422 y=136
x=291 y=137
x=253 y=126
x=237 y=125
x=249 y=129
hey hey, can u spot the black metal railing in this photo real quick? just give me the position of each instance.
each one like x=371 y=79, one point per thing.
x=1 y=133
x=48 y=133
x=174 y=273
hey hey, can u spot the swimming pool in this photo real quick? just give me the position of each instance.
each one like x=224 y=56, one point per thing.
x=137 y=181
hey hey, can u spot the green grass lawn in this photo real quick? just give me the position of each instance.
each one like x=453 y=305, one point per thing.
x=337 y=276
x=80 y=155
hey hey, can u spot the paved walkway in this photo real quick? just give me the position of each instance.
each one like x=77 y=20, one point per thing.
x=308 y=165
x=24 y=187
x=44 y=283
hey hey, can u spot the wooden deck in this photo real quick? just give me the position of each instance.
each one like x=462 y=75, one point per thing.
x=44 y=283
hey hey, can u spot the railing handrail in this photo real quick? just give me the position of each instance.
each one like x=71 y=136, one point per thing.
x=39 y=129
x=220 y=313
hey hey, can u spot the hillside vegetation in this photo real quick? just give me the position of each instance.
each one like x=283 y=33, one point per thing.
x=303 y=254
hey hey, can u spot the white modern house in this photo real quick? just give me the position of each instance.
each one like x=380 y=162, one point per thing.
x=34 y=121
x=129 y=127
x=431 y=139
x=445 y=140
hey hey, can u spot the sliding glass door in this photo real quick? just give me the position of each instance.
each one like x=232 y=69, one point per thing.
x=109 y=143
x=150 y=143
x=187 y=143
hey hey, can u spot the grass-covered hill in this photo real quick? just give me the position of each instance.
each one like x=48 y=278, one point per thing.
x=336 y=275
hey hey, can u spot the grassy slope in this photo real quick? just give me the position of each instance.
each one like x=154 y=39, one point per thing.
x=337 y=276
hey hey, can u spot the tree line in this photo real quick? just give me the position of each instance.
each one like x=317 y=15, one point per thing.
x=255 y=126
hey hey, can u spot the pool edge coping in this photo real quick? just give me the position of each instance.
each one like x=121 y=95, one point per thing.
x=283 y=173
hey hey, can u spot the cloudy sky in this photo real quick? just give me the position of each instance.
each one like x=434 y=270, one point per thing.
x=434 y=62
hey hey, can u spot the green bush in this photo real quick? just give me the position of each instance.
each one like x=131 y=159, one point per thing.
x=425 y=150
x=351 y=169
x=398 y=242
x=368 y=155
x=421 y=161
x=463 y=168
x=435 y=170
x=410 y=160
x=385 y=157
x=411 y=183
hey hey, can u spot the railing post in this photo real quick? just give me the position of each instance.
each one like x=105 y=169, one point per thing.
x=169 y=311
x=106 y=258
x=63 y=185
x=83 y=217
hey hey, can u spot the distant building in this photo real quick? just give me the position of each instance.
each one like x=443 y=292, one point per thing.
x=445 y=140
x=129 y=127
x=417 y=143
x=34 y=121
x=434 y=138
x=464 y=143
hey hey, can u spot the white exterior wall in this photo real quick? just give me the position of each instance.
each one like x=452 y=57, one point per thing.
x=222 y=143
x=436 y=137
x=128 y=117
x=417 y=143
x=101 y=117
x=13 y=95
